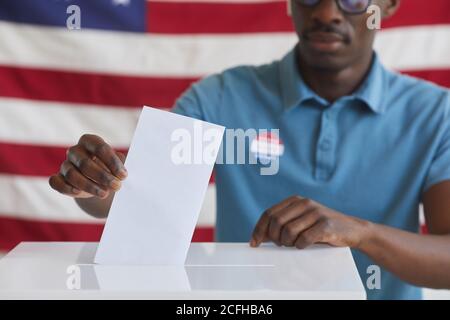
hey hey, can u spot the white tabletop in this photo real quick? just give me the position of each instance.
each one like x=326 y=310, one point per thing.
x=65 y=270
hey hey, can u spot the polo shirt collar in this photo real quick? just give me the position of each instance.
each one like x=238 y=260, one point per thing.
x=295 y=91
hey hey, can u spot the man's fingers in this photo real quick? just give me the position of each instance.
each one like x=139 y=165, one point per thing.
x=280 y=218
x=294 y=228
x=73 y=177
x=93 y=169
x=58 y=183
x=98 y=147
x=310 y=236
x=260 y=231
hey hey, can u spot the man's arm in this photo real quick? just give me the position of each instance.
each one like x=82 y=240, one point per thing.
x=423 y=260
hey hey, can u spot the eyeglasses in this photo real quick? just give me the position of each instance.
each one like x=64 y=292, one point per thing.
x=347 y=6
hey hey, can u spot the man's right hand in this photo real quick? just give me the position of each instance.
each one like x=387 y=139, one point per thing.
x=92 y=169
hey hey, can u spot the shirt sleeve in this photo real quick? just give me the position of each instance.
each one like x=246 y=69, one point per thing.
x=202 y=100
x=439 y=170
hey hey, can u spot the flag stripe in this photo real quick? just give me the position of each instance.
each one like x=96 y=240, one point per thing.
x=217 y=17
x=440 y=77
x=32 y=160
x=62 y=124
x=35 y=160
x=197 y=17
x=44 y=204
x=158 y=56
x=40 y=202
x=107 y=90
x=13 y=231
x=175 y=17
x=412 y=48
x=419 y=12
x=90 y=88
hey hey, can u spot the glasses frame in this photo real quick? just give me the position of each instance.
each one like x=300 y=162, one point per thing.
x=338 y=2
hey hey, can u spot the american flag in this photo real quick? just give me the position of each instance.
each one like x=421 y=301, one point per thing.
x=56 y=83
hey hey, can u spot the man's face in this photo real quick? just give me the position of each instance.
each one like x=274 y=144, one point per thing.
x=330 y=38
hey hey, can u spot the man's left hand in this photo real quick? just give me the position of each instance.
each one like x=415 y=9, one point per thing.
x=300 y=222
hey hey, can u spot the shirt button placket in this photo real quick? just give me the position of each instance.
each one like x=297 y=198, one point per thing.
x=325 y=150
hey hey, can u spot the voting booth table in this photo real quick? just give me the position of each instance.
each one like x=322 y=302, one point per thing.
x=66 y=270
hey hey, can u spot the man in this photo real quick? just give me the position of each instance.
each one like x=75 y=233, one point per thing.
x=363 y=148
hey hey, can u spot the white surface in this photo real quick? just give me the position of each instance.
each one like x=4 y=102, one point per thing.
x=153 y=215
x=39 y=270
x=430 y=294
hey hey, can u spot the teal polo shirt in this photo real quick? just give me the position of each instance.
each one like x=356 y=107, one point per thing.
x=371 y=154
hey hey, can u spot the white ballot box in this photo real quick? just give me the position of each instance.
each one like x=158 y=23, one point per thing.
x=65 y=270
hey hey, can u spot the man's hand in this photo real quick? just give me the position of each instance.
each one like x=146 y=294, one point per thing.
x=301 y=222
x=92 y=169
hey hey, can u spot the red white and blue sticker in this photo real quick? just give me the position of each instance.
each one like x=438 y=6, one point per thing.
x=267 y=146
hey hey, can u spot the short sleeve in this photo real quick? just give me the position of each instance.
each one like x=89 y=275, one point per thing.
x=201 y=100
x=439 y=170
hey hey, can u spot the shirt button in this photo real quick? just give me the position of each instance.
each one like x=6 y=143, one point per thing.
x=325 y=145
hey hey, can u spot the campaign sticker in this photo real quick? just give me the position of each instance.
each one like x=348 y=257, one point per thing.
x=267 y=146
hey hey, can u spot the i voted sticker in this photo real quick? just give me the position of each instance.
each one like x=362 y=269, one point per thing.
x=267 y=146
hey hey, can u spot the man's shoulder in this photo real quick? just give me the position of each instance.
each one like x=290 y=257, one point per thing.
x=417 y=92
x=416 y=87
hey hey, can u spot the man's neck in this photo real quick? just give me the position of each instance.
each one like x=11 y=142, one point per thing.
x=333 y=84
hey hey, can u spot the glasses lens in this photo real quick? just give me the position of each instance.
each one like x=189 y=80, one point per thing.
x=308 y=3
x=354 y=6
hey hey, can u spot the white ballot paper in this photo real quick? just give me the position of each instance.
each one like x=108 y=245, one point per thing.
x=153 y=215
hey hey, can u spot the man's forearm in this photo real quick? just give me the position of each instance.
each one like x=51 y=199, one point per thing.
x=423 y=260
x=94 y=206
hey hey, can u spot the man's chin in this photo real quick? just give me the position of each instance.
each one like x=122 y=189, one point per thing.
x=325 y=59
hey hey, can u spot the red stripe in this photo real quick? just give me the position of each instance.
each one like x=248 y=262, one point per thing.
x=423 y=229
x=13 y=231
x=31 y=160
x=34 y=160
x=111 y=90
x=200 y=17
x=440 y=77
x=92 y=88
x=420 y=12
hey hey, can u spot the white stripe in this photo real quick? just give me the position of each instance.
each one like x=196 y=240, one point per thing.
x=32 y=198
x=421 y=47
x=207 y=215
x=62 y=124
x=421 y=215
x=135 y=54
x=415 y=48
